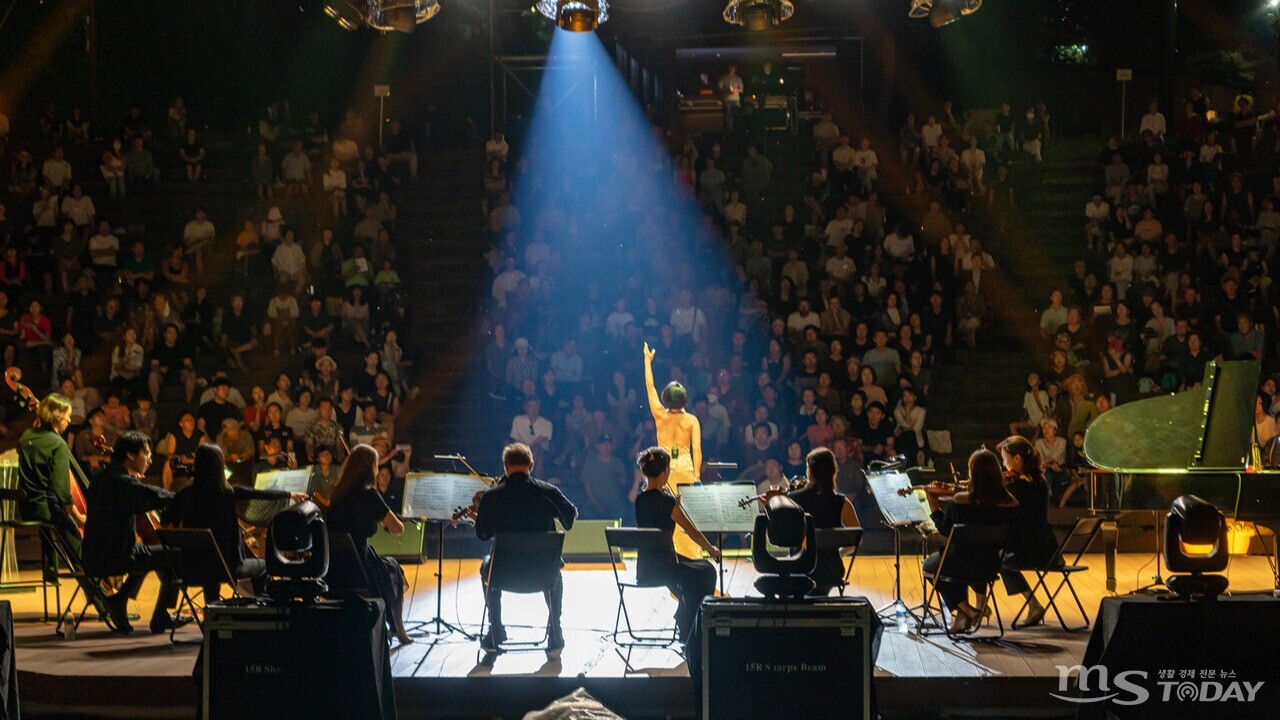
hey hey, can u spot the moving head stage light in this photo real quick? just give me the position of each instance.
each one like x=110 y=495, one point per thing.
x=943 y=12
x=758 y=15
x=386 y=15
x=575 y=15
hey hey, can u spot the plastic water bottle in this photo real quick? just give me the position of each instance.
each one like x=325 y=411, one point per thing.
x=900 y=614
x=68 y=627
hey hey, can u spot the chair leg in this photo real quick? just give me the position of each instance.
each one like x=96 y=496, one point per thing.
x=1066 y=581
x=991 y=598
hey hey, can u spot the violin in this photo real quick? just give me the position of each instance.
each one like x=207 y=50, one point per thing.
x=467 y=513
x=939 y=488
x=13 y=378
x=793 y=485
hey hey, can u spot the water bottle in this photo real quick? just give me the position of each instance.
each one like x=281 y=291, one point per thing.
x=68 y=627
x=900 y=614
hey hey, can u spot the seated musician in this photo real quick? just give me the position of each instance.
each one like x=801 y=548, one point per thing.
x=519 y=503
x=209 y=503
x=829 y=509
x=45 y=469
x=357 y=508
x=986 y=503
x=689 y=580
x=1034 y=543
x=117 y=495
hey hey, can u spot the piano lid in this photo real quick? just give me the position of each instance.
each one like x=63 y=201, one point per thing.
x=1208 y=428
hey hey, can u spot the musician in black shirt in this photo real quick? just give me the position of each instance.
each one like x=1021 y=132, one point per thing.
x=690 y=580
x=829 y=509
x=1033 y=543
x=115 y=498
x=519 y=503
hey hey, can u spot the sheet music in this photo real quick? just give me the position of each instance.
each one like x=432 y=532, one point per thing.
x=298 y=480
x=436 y=496
x=898 y=510
x=714 y=508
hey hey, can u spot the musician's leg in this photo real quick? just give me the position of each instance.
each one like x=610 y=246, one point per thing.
x=493 y=598
x=555 y=602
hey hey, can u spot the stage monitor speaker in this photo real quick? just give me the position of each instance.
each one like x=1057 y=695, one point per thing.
x=296 y=662
x=9 y=709
x=408 y=547
x=586 y=541
x=810 y=659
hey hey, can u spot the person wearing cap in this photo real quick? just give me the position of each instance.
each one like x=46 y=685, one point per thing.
x=605 y=481
x=238 y=449
x=680 y=434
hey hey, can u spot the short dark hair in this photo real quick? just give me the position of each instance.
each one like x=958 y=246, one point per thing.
x=130 y=443
x=674 y=396
x=653 y=462
x=517 y=455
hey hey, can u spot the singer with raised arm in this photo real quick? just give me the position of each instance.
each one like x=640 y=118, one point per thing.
x=690 y=580
x=680 y=434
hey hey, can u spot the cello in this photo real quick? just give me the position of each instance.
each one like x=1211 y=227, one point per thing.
x=13 y=378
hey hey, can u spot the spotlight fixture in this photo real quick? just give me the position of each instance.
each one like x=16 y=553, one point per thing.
x=942 y=12
x=343 y=13
x=1195 y=542
x=575 y=15
x=401 y=15
x=758 y=15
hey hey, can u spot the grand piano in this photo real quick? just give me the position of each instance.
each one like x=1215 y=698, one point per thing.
x=1197 y=442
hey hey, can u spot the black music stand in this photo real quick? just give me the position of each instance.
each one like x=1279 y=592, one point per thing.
x=718 y=466
x=898 y=525
x=1157 y=585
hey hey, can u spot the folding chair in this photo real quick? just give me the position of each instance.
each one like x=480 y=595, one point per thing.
x=346 y=576
x=1085 y=531
x=636 y=539
x=67 y=567
x=10 y=522
x=195 y=562
x=972 y=557
x=838 y=539
x=523 y=563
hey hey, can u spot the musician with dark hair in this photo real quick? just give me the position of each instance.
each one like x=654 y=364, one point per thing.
x=115 y=499
x=657 y=507
x=1033 y=543
x=829 y=509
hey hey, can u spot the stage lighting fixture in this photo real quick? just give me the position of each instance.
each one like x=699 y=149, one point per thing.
x=575 y=15
x=401 y=15
x=942 y=12
x=784 y=525
x=345 y=14
x=757 y=15
x=1195 y=542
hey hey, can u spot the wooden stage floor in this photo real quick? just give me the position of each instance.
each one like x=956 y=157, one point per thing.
x=144 y=676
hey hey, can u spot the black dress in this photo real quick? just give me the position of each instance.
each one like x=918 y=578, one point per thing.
x=825 y=509
x=690 y=580
x=359 y=514
x=1034 y=543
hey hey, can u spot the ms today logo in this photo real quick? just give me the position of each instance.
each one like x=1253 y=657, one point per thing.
x=1134 y=687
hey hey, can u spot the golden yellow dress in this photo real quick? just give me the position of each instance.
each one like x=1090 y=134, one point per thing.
x=681 y=434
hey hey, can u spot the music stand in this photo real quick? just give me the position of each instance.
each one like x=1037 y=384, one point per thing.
x=714 y=509
x=434 y=497
x=899 y=513
x=1157 y=585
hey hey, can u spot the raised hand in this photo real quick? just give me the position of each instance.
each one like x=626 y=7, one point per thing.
x=649 y=352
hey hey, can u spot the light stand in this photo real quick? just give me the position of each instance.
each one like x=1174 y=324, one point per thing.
x=1157 y=585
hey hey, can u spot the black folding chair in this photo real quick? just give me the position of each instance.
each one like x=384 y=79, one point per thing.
x=1085 y=531
x=195 y=561
x=841 y=539
x=66 y=566
x=346 y=577
x=10 y=522
x=636 y=539
x=972 y=557
x=523 y=563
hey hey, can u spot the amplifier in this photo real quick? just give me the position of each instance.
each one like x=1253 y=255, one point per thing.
x=765 y=659
x=296 y=662
x=406 y=548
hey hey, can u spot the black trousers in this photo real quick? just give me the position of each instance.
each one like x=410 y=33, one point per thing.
x=693 y=580
x=955 y=593
x=554 y=595
x=145 y=559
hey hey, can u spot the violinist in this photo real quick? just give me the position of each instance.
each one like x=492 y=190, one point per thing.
x=45 y=469
x=829 y=509
x=115 y=498
x=1033 y=543
x=657 y=507
x=987 y=502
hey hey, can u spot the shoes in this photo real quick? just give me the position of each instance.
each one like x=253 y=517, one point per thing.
x=555 y=638
x=492 y=640
x=963 y=623
x=167 y=622
x=1034 y=617
x=118 y=613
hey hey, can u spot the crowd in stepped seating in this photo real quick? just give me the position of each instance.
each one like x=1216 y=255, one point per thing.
x=1176 y=268
x=271 y=328
x=801 y=306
